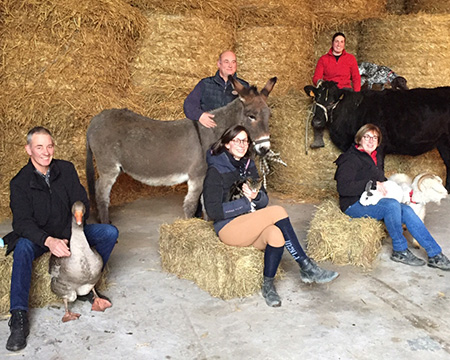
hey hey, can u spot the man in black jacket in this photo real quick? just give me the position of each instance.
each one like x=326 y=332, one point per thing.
x=42 y=194
x=213 y=92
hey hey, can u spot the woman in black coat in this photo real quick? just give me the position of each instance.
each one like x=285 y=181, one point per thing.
x=248 y=221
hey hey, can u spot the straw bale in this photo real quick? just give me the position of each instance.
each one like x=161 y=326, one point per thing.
x=274 y=13
x=307 y=177
x=414 y=46
x=282 y=51
x=330 y=11
x=334 y=236
x=428 y=6
x=40 y=292
x=211 y=9
x=177 y=50
x=62 y=62
x=191 y=250
x=397 y=7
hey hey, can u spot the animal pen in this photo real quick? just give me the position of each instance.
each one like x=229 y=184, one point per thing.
x=64 y=61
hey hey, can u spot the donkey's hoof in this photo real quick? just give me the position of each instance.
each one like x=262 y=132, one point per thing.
x=316 y=145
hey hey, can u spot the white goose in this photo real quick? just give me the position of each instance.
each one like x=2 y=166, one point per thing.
x=78 y=273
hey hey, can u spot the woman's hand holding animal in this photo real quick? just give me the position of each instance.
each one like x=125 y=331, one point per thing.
x=249 y=194
x=381 y=188
x=58 y=247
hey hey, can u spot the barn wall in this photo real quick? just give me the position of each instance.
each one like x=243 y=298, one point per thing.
x=63 y=61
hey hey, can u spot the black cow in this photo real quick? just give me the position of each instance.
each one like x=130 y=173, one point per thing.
x=412 y=122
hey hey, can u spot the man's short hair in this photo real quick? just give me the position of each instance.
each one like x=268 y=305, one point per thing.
x=38 y=130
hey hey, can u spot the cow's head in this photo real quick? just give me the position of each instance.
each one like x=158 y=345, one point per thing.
x=256 y=113
x=326 y=95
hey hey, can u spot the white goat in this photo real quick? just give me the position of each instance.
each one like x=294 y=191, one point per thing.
x=425 y=188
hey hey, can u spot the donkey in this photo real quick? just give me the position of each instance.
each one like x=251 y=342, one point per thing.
x=167 y=152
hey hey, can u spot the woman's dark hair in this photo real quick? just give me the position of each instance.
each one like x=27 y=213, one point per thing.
x=228 y=135
x=365 y=129
x=338 y=34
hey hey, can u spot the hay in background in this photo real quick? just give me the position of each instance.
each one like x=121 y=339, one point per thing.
x=308 y=177
x=428 y=6
x=191 y=250
x=175 y=52
x=40 y=292
x=415 y=46
x=62 y=63
x=415 y=165
x=211 y=9
x=281 y=51
x=396 y=7
x=263 y=13
x=334 y=236
x=332 y=11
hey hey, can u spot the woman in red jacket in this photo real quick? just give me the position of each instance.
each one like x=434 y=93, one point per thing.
x=339 y=66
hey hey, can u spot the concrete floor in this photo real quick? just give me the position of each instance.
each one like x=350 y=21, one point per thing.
x=395 y=311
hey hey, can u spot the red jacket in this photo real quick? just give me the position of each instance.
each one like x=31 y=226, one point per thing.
x=344 y=71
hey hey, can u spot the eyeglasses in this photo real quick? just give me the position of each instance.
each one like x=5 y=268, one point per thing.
x=368 y=137
x=241 y=142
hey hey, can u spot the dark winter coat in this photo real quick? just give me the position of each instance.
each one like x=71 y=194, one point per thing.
x=209 y=94
x=40 y=211
x=223 y=172
x=355 y=169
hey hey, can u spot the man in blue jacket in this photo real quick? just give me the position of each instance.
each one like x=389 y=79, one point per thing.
x=213 y=92
x=42 y=195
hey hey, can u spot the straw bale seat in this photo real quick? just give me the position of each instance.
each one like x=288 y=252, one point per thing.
x=191 y=250
x=40 y=292
x=344 y=240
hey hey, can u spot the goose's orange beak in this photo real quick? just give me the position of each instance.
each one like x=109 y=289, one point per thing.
x=79 y=217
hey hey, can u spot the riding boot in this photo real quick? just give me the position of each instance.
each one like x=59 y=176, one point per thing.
x=270 y=293
x=310 y=272
x=318 y=138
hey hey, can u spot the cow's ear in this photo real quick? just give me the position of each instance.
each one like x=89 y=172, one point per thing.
x=310 y=91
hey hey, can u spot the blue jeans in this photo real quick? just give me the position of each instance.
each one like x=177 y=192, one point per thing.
x=102 y=236
x=394 y=215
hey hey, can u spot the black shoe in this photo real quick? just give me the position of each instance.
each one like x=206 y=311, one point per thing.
x=90 y=297
x=270 y=293
x=310 y=272
x=440 y=261
x=407 y=257
x=20 y=329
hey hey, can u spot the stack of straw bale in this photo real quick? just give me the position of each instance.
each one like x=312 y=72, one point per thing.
x=414 y=46
x=175 y=52
x=40 y=292
x=428 y=6
x=275 y=39
x=334 y=236
x=307 y=177
x=191 y=250
x=62 y=62
x=340 y=11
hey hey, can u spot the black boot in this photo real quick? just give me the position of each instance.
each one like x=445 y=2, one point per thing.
x=20 y=329
x=440 y=261
x=310 y=272
x=270 y=293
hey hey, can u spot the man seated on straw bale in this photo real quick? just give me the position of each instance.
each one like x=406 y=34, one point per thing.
x=213 y=92
x=338 y=65
x=42 y=195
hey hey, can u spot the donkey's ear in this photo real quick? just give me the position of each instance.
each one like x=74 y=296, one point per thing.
x=236 y=85
x=269 y=86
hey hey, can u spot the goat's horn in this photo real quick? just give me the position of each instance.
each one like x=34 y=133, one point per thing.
x=423 y=177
